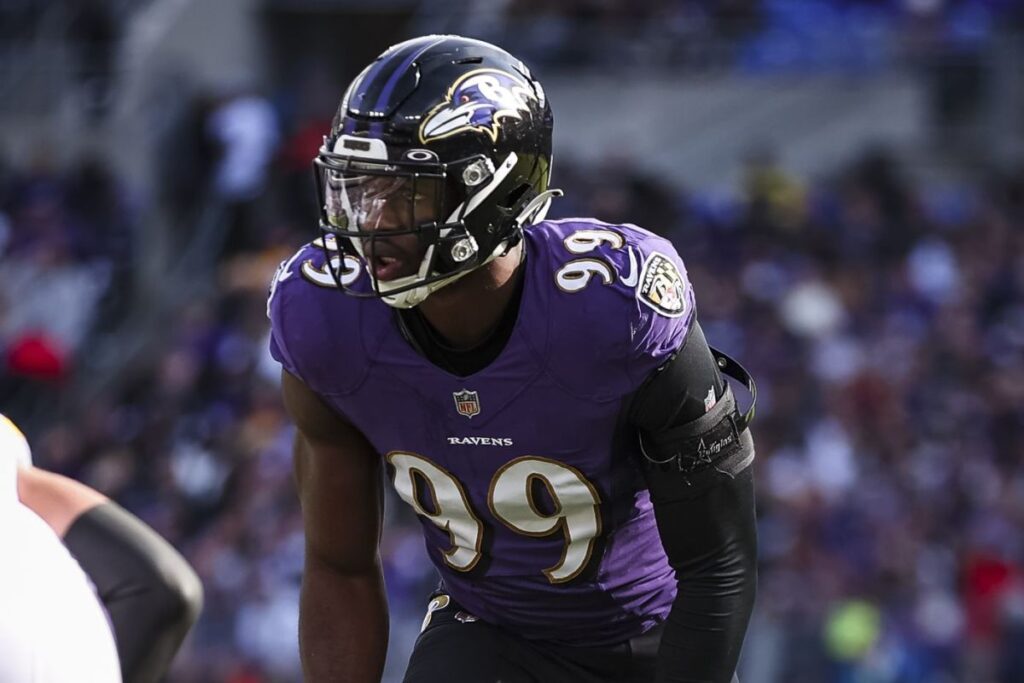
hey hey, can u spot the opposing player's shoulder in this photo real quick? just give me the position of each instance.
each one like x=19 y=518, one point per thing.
x=311 y=321
x=14 y=453
x=619 y=291
x=13 y=444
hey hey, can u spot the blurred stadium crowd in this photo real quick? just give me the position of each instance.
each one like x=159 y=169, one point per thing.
x=736 y=35
x=882 y=317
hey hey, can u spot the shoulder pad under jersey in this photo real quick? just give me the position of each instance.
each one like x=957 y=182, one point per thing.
x=314 y=327
x=618 y=297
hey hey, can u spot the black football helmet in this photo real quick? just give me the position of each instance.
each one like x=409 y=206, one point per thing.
x=444 y=138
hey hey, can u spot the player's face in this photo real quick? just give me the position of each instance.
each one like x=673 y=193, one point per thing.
x=379 y=205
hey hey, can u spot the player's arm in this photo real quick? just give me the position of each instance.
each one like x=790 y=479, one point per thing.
x=151 y=593
x=343 y=613
x=703 y=495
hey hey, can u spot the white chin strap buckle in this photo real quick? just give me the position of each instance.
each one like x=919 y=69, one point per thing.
x=465 y=249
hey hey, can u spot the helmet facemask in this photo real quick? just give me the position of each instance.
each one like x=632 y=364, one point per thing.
x=412 y=222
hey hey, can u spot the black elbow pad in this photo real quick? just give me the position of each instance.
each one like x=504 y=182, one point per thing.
x=686 y=450
x=684 y=459
x=151 y=593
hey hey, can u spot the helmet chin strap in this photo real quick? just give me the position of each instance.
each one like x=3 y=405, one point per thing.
x=417 y=295
x=534 y=212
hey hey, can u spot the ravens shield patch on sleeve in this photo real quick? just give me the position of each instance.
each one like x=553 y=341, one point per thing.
x=662 y=287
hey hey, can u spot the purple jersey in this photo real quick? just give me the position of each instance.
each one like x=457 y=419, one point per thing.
x=523 y=474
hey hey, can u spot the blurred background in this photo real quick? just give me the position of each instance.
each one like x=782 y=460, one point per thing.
x=844 y=179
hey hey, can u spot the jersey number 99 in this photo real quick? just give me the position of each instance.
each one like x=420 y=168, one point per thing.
x=511 y=500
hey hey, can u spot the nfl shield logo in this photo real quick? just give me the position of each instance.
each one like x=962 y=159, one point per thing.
x=467 y=402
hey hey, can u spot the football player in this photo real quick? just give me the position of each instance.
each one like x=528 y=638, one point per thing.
x=112 y=602
x=540 y=392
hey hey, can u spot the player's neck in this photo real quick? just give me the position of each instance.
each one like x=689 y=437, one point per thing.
x=466 y=312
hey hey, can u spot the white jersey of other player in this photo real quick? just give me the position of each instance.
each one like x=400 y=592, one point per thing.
x=52 y=626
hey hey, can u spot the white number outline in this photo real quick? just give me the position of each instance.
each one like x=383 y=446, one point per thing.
x=413 y=501
x=559 y=517
x=581 y=271
x=586 y=240
x=409 y=492
x=322 y=276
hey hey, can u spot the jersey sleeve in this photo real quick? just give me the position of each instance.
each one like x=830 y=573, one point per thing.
x=621 y=304
x=278 y=325
x=309 y=336
x=277 y=312
x=664 y=308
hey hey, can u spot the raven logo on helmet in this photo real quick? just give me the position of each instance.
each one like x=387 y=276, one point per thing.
x=478 y=101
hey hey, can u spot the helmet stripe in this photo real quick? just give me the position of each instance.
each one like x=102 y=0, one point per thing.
x=372 y=75
x=377 y=128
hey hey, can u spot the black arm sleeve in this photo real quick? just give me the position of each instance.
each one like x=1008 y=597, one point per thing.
x=706 y=520
x=151 y=593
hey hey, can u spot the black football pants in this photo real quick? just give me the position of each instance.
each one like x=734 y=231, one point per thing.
x=457 y=648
